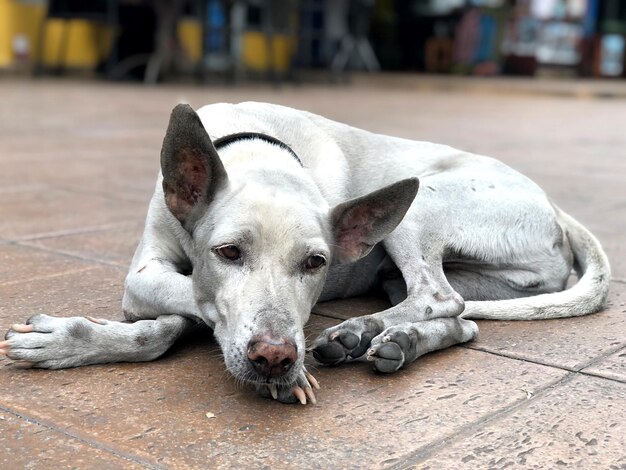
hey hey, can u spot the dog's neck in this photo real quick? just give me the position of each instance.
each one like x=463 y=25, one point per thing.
x=253 y=139
x=268 y=164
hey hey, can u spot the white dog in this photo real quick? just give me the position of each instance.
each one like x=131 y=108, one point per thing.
x=263 y=210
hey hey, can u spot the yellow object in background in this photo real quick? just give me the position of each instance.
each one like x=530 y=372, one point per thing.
x=190 y=37
x=88 y=43
x=17 y=20
x=255 y=54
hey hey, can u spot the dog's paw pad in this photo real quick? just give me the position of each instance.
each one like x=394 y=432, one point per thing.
x=330 y=353
x=387 y=357
x=392 y=349
x=349 y=340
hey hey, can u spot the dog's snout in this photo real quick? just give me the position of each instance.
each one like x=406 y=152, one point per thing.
x=271 y=357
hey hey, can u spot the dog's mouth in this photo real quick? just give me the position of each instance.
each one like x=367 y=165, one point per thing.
x=274 y=381
x=296 y=386
x=251 y=376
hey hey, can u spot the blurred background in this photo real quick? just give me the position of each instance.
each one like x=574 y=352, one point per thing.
x=236 y=40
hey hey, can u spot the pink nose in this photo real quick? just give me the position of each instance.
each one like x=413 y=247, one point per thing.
x=270 y=356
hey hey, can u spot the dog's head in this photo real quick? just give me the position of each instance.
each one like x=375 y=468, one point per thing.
x=262 y=244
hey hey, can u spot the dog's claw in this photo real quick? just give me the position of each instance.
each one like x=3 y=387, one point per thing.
x=312 y=380
x=21 y=328
x=310 y=395
x=299 y=394
x=273 y=391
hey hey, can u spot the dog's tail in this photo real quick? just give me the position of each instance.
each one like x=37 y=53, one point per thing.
x=588 y=295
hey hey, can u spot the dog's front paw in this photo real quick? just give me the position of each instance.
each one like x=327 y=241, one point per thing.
x=400 y=345
x=300 y=391
x=50 y=343
x=346 y=341
x=395 y=347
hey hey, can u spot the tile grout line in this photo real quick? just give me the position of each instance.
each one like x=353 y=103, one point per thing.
x=69 y=255
x=104 y=195
x=427 y=450
x=598 y=376
x=87 y=441
x=114 y=226
x=601 y=357
x=574 y=370
x=325 y=315
x=79 y=257
x=517 y=357
x=48 y=276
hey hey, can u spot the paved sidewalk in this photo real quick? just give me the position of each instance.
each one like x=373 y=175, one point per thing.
x=79 y=161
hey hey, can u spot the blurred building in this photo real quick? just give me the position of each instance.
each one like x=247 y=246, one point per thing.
x=486 y=37
x=150 y=38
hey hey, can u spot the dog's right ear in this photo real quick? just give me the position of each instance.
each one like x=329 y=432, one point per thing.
x=192 y=170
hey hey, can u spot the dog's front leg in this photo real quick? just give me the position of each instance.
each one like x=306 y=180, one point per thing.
x=426 y=320
x=157 y=299
x=154 y=287
x=395 y=335
x=54 y=343
x=402 y=344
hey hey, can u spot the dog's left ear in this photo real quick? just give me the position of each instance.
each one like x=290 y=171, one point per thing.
x=361 y=223
x=192 y=170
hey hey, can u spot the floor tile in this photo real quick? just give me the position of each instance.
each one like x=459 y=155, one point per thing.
x=114 y=172
x=570 y=343
x=24 y=444
x=613 y=244
x=116 y=245
x=159 y=410
x=94 y=290
x=83 y=156
x=31 y=214
x=613 y=367
x=20 y=263
x=580 y=424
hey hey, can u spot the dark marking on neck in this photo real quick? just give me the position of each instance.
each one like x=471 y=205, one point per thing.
x=229 y=139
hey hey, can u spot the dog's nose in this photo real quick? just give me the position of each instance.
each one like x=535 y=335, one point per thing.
x=271 y=357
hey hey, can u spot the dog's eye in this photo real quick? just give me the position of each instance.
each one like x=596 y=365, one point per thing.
x=230 y=252
x=314 y=262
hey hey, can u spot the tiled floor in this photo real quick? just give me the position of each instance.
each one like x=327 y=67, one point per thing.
x=78 y=166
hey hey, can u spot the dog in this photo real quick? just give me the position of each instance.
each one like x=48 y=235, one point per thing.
x=260 y=211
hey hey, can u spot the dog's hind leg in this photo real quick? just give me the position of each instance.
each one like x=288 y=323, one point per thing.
x=55 y=343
